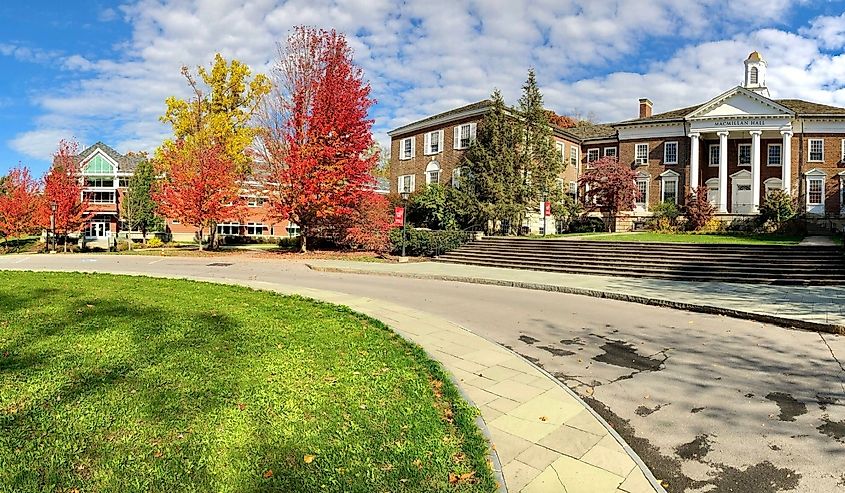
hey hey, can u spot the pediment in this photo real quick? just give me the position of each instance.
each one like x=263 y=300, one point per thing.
x=743 y=173
x=98 y=163
x=740 y=102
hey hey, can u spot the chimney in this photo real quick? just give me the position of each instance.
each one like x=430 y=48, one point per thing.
x=645 y=107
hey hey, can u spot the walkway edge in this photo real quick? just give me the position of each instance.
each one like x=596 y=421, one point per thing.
x=786 y=322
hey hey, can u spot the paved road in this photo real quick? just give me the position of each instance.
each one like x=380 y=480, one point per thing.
x=710 y=403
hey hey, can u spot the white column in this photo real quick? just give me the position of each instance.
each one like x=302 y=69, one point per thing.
x=786 y=161
x=755 y=171
x=693 y=161
x=723 y=172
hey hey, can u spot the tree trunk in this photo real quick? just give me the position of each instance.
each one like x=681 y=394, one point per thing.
x=65 y=242
x=199 y=233
x=303 y=243
x=213 y=241
x=144 y=236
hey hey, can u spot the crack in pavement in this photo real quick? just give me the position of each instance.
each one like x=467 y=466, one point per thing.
x=833 y=355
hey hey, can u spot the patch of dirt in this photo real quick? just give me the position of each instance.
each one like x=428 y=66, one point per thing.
x=696 y=410
x=622 y=354
x=696 y=449
x=764 y=477
x=528 y=339
x=789 y=406
x=646 y=411
x=556 y=351
x=833 y=429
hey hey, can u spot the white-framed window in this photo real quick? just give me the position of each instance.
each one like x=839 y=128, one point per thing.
x=744 y=155
x=229 y=229
x=561 y=149
x=815 y=148
x=463 y=135
x=841 y=194
x=669 y=186
x=573 y=189
x=670 y=153
x=573 y=157
x=98 y=197
x=561 y=185
x=753 y=76
x=456 y=177
x=714 y=155
x=641 y=154
x=123 y=182
x=407 y=148
x=434 y=142
x=774 y=155
x=255 y=229
x=842 y=151
x=592 y=155
x=405 y=183
x=610 y=152
x=642 y=191
x=771 y=184
x=175 y=222
x=815 y=190
x=712 y=190
x=255 y=201
x=432 y=173
x=99 y=182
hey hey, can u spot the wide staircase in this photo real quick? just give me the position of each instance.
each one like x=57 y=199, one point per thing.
x=768 y=264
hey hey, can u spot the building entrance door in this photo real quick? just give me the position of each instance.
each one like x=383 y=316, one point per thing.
x=742 y=197
x=97 y=230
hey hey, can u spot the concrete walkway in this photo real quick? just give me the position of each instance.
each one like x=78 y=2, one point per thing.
x=545 y=439
x=818 y=241
x=819 y=308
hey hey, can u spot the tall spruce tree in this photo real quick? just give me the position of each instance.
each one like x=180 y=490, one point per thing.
x=541 y=163
x=492 y=176
x=138 y=207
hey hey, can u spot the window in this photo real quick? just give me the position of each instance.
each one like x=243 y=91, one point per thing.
x=99 y=197
x=816 y=148
x=432 y=173
x=229 y=229
x=406 y=184
x=561 y=185
x=642 y=191
x=123 y=182
x=592 y=155
x=815 y=191
x=456 y=178
x=841 y=194
x=406 y=148
x=573 y=157
x=254 y=229
x=102 y=182
x=744 y=154
x=561 y=147
x=774 y=157
x=573 y=189
x=670 y=153
x=175 y=222
x=714 y=155
x=610 y=151
x=98 y=165
x=464 y=135
x=842 y=152
x=434 y=142
x=292 y=229
x=641 y=154
x=255 y=201
x=753 y=77
x=669 y=192
x=771 y=184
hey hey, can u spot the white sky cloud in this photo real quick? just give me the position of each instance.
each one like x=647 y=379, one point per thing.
x=427 y=56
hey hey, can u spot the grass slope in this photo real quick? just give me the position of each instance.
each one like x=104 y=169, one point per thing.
x=715 y=238
x=121 y=384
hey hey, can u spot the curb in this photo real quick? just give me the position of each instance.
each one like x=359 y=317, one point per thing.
x=786 y=322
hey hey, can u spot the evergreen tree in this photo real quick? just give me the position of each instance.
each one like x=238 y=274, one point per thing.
x=540 y=161
x=492 y=176
x=138 y=207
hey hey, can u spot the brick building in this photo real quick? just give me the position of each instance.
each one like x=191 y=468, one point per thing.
x=740 y=144
x=106 y=174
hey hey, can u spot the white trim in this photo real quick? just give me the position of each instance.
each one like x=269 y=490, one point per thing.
x=90 y=158
x=702 y=110
x=428 y=145
x=402 y=155
x=768 y=150
x=637 y=159
x=432 y=167
x=841 y=175
x=768 y=185
x=669 y=176
x=710 y=163
x=590 y=152
x=739 y=146
x=810 y=146
x=400 y=183
x=642 y=177
x=677 y=151
x=456 y=135
x=711 y=189
x=842 y=151
x=815 y=174
x=456 y=177
x=612 y=148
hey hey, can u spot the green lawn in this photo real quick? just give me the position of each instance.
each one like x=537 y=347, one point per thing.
x=720 y=238
x=122 y=384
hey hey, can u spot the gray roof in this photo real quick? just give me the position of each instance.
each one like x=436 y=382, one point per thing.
x=799 y=106
x=125 y=163
x=445 y=116
x=590 y=131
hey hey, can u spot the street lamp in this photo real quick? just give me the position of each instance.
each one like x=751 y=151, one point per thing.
x=405 y=196
x=53 y=207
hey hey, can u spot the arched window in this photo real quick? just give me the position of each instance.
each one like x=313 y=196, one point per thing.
x=432 y=173
x=752 y=79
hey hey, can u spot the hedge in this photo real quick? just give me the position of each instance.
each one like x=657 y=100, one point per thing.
x=427 y=243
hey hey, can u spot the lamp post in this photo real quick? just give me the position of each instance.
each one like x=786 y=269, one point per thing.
x=53 y=207
x=405 y=196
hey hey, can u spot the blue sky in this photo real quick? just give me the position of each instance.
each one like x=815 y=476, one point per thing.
x=99 y=70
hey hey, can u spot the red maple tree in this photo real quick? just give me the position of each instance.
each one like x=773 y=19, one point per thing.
x=315 y=132
x=200 y=187
x=369 y=225
x=63 y=188
x=610 y=185
x=19 y=204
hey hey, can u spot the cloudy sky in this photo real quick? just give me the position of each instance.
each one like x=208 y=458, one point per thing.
x=98 y=70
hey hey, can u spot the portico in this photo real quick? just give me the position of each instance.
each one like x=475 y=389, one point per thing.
x=729 y=133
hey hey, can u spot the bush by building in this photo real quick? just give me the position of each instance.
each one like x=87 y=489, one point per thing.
x=427 y=243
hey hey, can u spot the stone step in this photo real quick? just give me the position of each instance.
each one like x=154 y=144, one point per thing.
x=652 y=246
x=797 y=256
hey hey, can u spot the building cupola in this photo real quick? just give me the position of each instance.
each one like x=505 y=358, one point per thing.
x=755 y=74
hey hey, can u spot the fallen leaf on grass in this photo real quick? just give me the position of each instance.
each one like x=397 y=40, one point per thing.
x=417 y=463
x=158 y=454
x=268 y=474
x=241 y=406
x=465 y=478
x=308 y=458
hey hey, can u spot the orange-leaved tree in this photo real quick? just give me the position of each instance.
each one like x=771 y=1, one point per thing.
x=20 y=201
x=63 y=189
x=314 y=132
x=200 y=186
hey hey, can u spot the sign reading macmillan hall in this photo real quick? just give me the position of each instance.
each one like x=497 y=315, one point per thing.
x=740 y=123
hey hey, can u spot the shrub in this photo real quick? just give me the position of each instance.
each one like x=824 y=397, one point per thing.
x=289 y=243
x=777 y=209
x=426 y=243
x=155 y=242
x=665 y=217
x=368 y=227
x=587 y=224
x=439 y=207
x=699 y=211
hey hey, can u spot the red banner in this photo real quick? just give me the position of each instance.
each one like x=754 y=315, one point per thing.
x=548 y=209
x=398 y=216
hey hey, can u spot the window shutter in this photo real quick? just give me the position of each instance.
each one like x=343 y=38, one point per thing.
x=413 y=146
x=427 y=143
x=399 y=185
x=413 y=183
x=473 y=127
x=441 y=142
x=842 y=156
x=456 y=137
